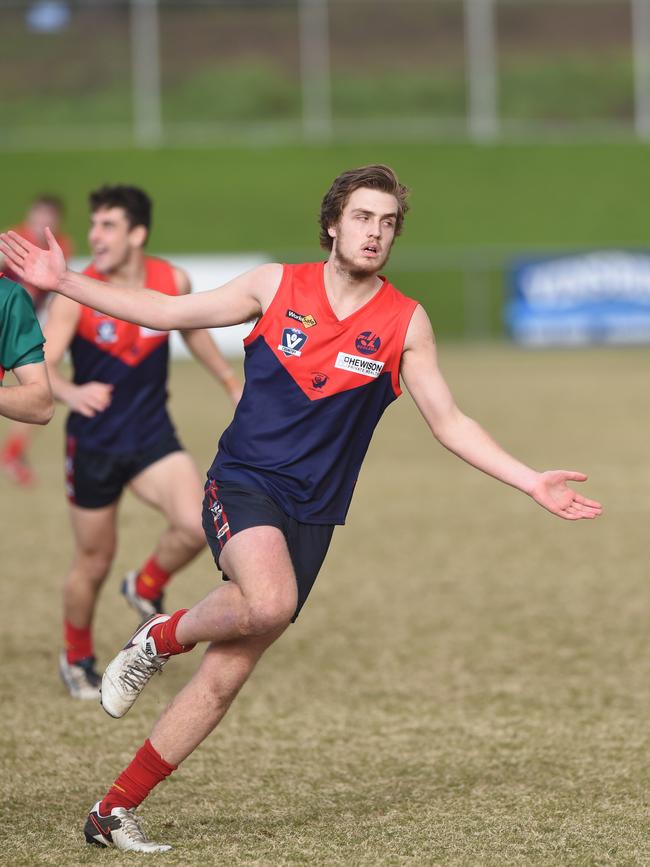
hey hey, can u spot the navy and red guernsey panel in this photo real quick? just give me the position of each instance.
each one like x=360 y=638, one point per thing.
x=316 y=386
x=134 y=360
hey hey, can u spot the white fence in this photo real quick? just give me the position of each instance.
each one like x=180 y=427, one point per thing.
x=154 y=72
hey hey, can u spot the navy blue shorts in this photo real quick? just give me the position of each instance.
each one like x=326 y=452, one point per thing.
x=97 y=479
x=229 y=509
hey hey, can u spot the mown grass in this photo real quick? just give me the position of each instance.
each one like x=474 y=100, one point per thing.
x=468 y=684
x=472 y=208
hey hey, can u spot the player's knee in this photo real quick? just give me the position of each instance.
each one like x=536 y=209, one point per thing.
x=268 y=615
x=95 y=564
x=192 y=533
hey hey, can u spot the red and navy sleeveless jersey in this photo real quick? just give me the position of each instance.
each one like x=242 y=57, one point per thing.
x=315 y=388
x=134 y=360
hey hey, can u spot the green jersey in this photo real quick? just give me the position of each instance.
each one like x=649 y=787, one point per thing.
x=21 y=338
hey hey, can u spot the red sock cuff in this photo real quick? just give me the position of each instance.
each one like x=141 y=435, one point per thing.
x=154 y=761
x=164 y=634
x=151 y=579
x=78 y=642
x=147 y=769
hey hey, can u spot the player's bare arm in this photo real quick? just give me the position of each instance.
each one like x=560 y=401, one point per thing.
x=31 y=400
x=466 y=438
x=89 y=398
x=200 y=343
x=240 y=300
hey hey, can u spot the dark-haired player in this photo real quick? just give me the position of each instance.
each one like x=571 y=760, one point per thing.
x=322 y=363
x=119 y=432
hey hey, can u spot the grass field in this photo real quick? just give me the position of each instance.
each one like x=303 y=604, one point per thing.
x=468 y=684
x=473 y=208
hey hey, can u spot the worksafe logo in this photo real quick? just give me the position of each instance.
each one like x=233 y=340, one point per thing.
x=293 y=340
x=308 y=321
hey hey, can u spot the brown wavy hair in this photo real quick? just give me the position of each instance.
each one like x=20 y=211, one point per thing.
x=375 y=177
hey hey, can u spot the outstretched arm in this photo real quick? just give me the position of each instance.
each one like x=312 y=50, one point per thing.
x=200 y=343
x=240 y=300
x=467 y=439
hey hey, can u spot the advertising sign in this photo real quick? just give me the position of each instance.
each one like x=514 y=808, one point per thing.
x=587 y=298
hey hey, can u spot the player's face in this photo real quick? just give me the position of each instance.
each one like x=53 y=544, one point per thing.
x=112 y=241
x=364 y=235
x=42 y=215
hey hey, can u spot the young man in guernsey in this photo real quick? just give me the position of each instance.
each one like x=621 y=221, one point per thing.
x=21 y=351
x=322 y=363
x=44 y=211
x=119 y=432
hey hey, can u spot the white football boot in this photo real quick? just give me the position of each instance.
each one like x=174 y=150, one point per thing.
x=130 y=671
x=145 y=607
x=120 y=829
x=80 y=678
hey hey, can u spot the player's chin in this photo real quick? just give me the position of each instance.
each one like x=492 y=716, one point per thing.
x=369 y=264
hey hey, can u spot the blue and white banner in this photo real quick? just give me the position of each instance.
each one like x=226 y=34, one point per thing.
x=587 y=298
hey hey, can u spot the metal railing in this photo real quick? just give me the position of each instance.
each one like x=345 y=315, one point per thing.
x=321 y=70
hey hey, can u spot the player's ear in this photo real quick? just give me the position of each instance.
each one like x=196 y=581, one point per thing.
x=139 y=236
x=331 y=231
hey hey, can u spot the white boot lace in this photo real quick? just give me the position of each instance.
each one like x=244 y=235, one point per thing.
x=136 y=675
x=129 y=826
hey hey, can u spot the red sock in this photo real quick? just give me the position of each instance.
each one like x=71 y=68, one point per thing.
x=151 y=580
x=147 y=769
x=164 y=634
x=78 y=642
x=14 y=447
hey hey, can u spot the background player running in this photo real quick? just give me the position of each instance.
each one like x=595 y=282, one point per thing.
x=322 y=363
x=44 y=211
x=119 y=432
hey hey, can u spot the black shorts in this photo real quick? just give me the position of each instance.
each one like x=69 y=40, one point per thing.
x=229 y=509
x=97 y=479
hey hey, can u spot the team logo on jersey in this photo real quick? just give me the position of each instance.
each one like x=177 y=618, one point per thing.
x=217 y=510
x=308 y=321
x=367 y=343
x=318 y=380
x=358 y=364
x=106 y=332
x=293 y=340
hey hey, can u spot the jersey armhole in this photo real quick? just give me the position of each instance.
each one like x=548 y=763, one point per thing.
x=406 y=321
x=259 y=326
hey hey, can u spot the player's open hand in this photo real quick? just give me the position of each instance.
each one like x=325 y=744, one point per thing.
x=552 y=492
x=41 y=268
